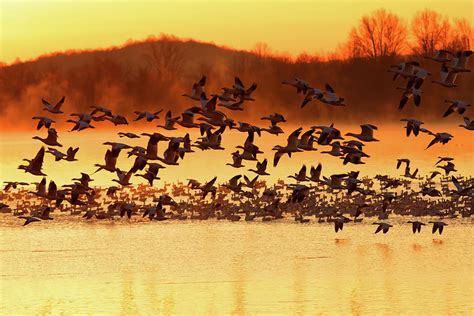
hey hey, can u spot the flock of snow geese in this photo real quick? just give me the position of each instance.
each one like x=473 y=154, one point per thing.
x=328 y=199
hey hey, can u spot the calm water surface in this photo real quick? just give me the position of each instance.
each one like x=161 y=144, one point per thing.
x=71 y=267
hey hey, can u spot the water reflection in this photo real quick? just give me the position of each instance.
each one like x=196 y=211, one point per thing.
x=438 y=242
x=128 y=305
x=233 y=268
x=416 y=247
x=238 y=287
x=341 y=242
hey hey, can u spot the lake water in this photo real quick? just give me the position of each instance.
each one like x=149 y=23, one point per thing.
x=190 y=267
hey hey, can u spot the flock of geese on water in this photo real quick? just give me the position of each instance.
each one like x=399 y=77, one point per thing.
x=328 y=199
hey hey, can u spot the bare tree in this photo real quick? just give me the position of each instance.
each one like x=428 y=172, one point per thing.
x=167 y=57
x=261 y=52
x=380 y=34
x=461 y=35
x=430 y=31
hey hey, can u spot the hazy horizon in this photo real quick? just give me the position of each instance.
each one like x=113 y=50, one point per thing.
x=32 y=29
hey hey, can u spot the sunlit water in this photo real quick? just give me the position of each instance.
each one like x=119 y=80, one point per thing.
x=189 y=267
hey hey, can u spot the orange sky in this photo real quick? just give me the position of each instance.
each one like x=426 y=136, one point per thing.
x=31 y=28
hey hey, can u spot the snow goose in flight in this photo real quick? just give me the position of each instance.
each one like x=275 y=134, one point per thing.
x=152 y=146
x=209 y=188
x=367 y=133
x=401 y=161
x=117 y=119
x=335 y=181
x=234 y=185
x=187 y=120
x=249 y=128
x=430 y=192
x=413 y=89
x=149 y=116
x=215 y=119
x=56 y=109
x=353 y=143
x=233 y=106
x=240 y=91
x=330 y=97
x=354 y=158
x=352 y=182
x=236 y=160
x=84 y=180
x=437 y=226
x=291 y=147
x=70 y=156
x=29 y=219
x=273 y=129
x=442 y=137
x=442 y=159
x=441 y=56
x=460 y=60
x=79 y=125
x=339 y=222
x=335 y=150
x=248 y=153
x=405 y=70
x=187 y=144
x=447 y=77
x=413 y=125
x=86 y=117
x=468 y=124
x=123 y=178
x=110 y=162
x=52 y=139
x=315 y=173
x=43 y=121
x=459 y=189
x=261 y=168
x=35 y=165
x=416 y=226
x=456 y=105
x=197 y=89
x=407 y=173
x=449 y=167
x=212 y=140
x=312 y=94
x=40 y=189
x=299 y=193
x=299 y=84
x=128 y=135
x=226 y=95
x=301 y=175
x=327 y=134
x=208 y=106
x=384 y=227
x=13 y=184
x=275 y=118
x=250 y=183
x=172 y=153
x=434 y=174
x=117 y=147
x=307 y=140
x=101 y=109
x=151 y=174
x=169 y=121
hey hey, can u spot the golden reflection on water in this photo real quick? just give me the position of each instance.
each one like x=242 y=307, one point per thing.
x=233 y=268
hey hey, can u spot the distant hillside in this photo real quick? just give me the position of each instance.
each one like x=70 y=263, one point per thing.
x=153 y=74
